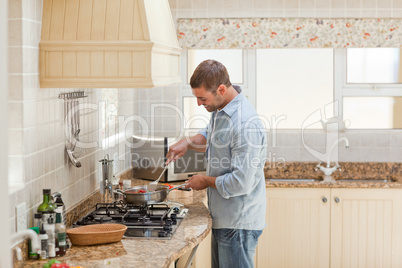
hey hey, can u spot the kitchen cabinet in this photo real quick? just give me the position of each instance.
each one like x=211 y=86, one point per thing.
x=323 y=227
x=366 y=228
x=297 y=232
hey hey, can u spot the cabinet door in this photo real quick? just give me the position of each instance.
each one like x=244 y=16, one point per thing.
x=366 y=228
x=298 y=229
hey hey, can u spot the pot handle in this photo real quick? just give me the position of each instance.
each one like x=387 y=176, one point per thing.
x=118 y=191
x=174 y=188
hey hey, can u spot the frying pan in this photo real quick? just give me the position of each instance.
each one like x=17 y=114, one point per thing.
x=131 y=195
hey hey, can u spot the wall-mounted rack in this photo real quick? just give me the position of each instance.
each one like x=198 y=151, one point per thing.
x=72 y=122
x=72 y=95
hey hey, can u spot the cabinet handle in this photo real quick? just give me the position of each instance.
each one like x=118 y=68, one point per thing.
x=324 y=199
x=337 y=200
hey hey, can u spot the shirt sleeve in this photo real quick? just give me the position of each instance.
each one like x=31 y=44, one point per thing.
x=203 y=132
x=248 y=155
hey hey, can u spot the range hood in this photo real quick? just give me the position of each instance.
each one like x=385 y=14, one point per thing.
x=108 y=43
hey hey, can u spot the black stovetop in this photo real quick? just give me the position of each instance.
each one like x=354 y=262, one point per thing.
x=151 y=221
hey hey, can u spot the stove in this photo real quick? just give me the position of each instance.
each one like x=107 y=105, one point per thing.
x=150 y=221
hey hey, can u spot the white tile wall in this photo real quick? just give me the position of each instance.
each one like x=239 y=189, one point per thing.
x=365 y=146
x=288 y=8
x=37 y=157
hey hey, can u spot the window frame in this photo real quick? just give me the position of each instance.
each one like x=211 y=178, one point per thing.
x=343 y=89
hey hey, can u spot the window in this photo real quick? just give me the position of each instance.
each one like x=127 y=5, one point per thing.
x=373 y=65
x=292 y=84
x=288 y=85
x=367 y=82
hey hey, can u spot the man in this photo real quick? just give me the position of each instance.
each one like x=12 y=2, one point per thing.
x=235 y=145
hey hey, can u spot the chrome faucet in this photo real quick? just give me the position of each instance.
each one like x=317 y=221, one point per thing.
x=328 y=170
x=26 y=233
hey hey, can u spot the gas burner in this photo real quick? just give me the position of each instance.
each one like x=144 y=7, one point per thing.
x=102 y=219
x=133 y=210
x=152 y=221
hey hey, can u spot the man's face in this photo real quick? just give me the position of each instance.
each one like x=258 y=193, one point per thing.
x=209 y=100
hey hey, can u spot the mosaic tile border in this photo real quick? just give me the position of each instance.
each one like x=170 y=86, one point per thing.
x=213 y=33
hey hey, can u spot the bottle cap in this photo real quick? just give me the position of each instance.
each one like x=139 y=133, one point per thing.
x=58 y=217
x=36 y=229
x=42 y=231
x=46 y=191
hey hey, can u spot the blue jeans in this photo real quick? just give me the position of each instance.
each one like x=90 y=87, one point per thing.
x=234 y=248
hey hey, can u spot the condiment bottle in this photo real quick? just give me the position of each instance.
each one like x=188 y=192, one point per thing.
x=43 y=253
x=60 y=207
x=46 y=206
x=46 y=209
x=60 y=232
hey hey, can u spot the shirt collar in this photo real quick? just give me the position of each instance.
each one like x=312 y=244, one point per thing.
x=232 y=106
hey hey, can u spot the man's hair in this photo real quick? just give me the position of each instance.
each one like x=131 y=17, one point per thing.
x=210 y=74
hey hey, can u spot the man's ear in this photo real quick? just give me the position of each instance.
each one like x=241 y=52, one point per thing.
x=221 y=90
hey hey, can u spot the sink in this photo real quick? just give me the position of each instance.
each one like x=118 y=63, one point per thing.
x=366 y=180
x=294 y=180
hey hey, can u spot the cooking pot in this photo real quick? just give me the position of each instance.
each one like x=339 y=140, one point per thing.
x=131 y=195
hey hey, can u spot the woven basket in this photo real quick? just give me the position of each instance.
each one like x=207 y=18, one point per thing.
x=96 y=234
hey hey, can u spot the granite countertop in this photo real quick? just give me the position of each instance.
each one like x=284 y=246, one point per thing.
x=145 y=252
x=352 y=175
x=395 y=183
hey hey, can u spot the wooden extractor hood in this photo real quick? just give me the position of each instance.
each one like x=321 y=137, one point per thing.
x=108 y=43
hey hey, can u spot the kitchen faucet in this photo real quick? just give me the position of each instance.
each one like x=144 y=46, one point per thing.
x=26 y=233
x=328 y=170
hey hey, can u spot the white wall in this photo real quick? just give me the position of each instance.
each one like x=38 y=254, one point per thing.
x=5 y=260
x=286 y=8
x=36 y=154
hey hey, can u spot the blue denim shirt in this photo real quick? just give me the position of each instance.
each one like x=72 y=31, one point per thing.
x=236 y=154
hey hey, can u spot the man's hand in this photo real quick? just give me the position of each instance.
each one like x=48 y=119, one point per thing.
x=177 y=150
x=199 y=182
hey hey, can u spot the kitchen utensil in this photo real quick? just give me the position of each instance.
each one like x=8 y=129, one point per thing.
x=131 y=195
x=107 y=175
x=152 y=184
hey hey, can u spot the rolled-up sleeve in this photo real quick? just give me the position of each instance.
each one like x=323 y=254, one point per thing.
x=203 y=132
x=247 y=158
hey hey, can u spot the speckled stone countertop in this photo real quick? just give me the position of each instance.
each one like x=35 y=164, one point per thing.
x=145 y=252
x=337 y=184
x=352 y=175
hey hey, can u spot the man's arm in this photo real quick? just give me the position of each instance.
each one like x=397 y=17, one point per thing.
x=177 y=150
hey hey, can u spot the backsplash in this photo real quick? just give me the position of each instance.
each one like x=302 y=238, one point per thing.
x=37 y=157
x=286 y=8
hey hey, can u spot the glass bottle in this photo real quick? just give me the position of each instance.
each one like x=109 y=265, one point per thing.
x=46 y=206
x=60 y=232
x=46 y=209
